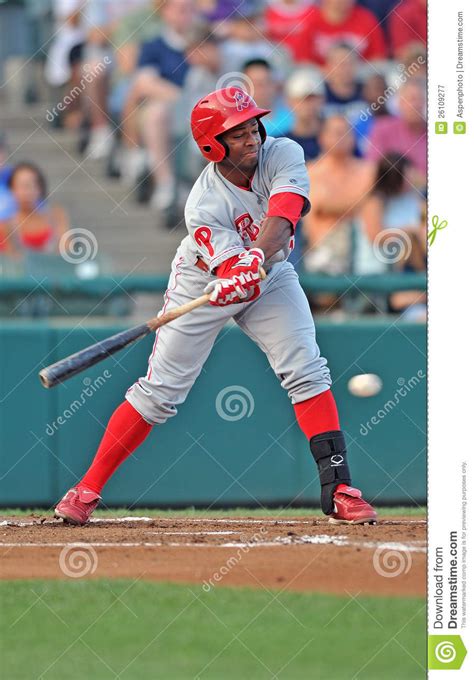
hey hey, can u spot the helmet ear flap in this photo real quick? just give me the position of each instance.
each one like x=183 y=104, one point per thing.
x=216 y=151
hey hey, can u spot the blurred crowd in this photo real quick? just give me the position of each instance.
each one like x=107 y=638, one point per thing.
x=346 y=79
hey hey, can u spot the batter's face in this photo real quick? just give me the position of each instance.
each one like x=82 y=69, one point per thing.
x=244 y=143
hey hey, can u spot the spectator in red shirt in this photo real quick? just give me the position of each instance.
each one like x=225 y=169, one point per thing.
x=37 y=224
x=342 y=20
x=285 y=24
x=408 y=27
x=405 y=133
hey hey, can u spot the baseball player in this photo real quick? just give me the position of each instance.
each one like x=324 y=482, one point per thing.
x=240 y=216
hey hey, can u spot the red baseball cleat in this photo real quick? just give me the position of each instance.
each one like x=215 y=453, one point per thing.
x=350 y=507
x=77 y=506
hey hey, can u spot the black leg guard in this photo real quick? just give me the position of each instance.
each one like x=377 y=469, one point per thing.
x=329 y=452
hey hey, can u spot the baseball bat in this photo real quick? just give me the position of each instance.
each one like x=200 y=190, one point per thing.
x=76 y=363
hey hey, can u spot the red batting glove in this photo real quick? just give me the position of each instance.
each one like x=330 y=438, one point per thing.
x=247 y=260
x=238 y=279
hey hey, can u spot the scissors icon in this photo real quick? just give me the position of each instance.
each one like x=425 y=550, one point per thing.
x=437 y=226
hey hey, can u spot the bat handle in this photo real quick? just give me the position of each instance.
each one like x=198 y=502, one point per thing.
x=44 y=378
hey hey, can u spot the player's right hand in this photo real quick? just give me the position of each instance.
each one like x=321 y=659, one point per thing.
x=228 y=292
x=238 y=279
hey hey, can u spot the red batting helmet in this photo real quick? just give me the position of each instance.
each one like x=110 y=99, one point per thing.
x=220 y=111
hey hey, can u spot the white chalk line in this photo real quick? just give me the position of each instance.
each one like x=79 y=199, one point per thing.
x=187 y=520
x=182 y=520
x=321 y=539
x=194 y=533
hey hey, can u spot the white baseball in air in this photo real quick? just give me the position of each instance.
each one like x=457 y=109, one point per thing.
x=87 y=270
x=365 y=385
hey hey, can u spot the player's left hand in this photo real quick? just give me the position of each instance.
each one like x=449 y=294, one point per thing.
x=249 y=260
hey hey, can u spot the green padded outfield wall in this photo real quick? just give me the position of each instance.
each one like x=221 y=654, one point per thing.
x=211 y=453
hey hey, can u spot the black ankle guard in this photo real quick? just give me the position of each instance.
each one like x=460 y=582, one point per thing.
x=329 y=452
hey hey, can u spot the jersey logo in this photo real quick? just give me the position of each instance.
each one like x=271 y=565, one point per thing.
x=241 y=100
x=246 y=227
x=202 y=236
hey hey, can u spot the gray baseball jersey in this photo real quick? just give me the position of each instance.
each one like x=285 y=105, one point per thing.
x=222 y=219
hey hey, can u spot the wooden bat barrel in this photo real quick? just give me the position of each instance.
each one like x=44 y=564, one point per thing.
x=75 y=363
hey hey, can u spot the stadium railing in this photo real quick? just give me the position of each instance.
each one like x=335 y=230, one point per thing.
x=108 y=294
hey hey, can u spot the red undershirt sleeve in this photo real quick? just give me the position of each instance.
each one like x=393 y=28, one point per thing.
x=287 y=205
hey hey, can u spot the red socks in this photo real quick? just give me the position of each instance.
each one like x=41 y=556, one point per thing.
x=125 y=431
x=318 y=414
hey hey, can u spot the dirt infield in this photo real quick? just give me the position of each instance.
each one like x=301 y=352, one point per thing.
x=300 y=554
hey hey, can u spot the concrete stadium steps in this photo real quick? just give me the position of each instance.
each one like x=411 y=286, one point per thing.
x=128 y=234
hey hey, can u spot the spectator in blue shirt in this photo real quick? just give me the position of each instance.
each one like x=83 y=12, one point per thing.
x=344 y=94
x=304 y=92
x=7 y=202
x=381 y=9
x=162 y=67
x=166 y=57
